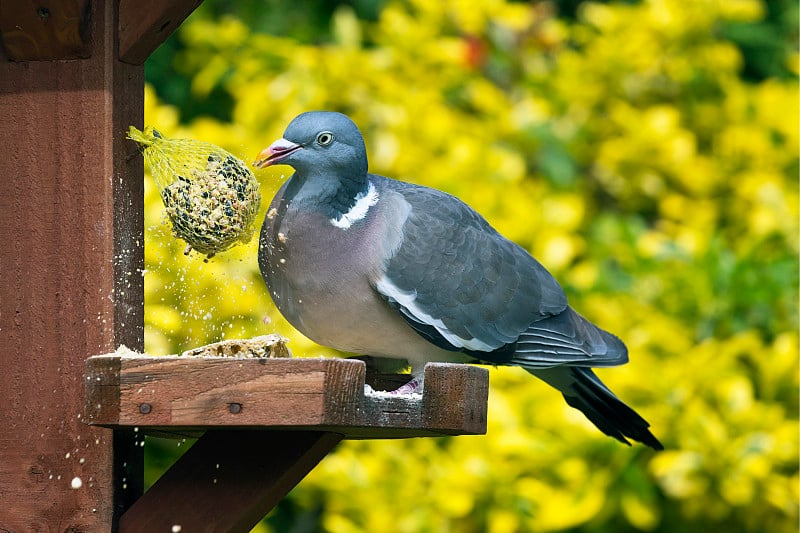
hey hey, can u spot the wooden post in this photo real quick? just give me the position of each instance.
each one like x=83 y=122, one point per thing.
x=71 y=257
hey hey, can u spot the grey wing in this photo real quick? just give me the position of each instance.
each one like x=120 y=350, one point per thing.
x=567 y=338
x=460 y=284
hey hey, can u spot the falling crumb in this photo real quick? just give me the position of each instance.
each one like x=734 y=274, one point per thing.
x=76 y=483
x=271 y=213
x=282 y=237
x=176 y=528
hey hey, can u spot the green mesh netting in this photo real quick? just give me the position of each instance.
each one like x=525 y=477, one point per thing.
x=210 y=196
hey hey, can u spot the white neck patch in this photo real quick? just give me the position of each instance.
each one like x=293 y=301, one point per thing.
x=359 y=210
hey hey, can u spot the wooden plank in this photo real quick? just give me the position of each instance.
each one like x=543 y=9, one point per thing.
x=455 y=399
x=145 y=24
x=186 y=396
x=228 y=481
x=65 y=239
x=220 y=391
x=41 y=30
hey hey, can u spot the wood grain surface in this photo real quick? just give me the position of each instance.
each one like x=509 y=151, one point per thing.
x=187 y=396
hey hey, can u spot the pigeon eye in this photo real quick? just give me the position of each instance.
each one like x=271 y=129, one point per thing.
x=324 y=138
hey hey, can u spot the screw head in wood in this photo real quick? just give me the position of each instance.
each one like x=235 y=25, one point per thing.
x=145 y=408
x=235 y=408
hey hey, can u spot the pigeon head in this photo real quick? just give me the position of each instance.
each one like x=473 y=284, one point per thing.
x=319 y=142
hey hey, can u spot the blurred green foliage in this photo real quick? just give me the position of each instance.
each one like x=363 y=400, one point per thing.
x=646 y=152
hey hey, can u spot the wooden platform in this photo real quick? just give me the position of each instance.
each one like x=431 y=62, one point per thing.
x=262 y=424
x=183 y=396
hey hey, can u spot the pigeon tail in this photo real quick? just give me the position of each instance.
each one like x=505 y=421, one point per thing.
x=583 y=390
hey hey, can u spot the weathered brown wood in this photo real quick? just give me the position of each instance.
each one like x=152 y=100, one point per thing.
x=37 y=30
x=228 y=481
x=71 y=260
x=455 y=399
x=145 y=24
x=183 y=396
x=220 y=391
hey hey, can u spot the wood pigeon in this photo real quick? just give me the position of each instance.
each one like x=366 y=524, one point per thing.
x=370 y=265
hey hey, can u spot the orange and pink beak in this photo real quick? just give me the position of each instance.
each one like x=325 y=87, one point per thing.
x=275 y=152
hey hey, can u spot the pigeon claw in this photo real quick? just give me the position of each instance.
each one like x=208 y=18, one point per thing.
x=412 y=387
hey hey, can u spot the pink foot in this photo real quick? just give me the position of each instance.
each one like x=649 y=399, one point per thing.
x=415 y=385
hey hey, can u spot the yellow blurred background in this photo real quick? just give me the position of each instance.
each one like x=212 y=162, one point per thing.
x=634 y=148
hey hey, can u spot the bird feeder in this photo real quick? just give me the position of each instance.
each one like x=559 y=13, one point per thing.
x=71 y=228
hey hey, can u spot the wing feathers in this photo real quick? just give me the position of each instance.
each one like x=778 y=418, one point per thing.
x=464 y=287
x=568 y=338
x=478 y=290
x=406 y=302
